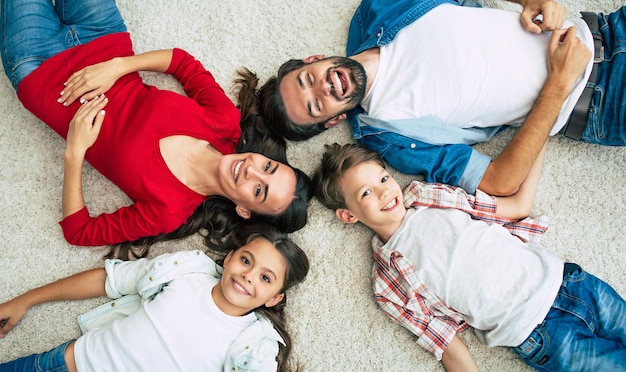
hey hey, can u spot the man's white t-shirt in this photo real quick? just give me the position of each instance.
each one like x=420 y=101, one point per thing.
x=471 y=67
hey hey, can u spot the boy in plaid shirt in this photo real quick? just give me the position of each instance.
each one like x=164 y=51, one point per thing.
x=446 y=260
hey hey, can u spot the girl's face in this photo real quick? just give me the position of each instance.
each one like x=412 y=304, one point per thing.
x=253 y=276
x=256 y=183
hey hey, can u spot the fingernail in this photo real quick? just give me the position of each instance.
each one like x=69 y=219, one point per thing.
x=64 y=103
x=82 y=100
x=102 y=112
x=60 y=100
x=62 y=93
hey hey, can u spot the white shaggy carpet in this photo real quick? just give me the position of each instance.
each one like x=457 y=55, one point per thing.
x=333 y=318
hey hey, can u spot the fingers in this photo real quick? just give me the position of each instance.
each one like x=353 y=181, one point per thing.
x=543 y=15
x=78 y=87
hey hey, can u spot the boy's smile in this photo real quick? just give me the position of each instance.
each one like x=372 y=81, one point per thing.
x=372 y=197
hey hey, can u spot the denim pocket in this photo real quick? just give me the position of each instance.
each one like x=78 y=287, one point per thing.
x=534 y=349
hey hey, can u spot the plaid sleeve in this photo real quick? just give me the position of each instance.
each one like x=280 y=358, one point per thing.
x=413 y=306
x=481 y=206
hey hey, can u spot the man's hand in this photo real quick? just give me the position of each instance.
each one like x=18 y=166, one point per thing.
x=568 y=56
x=552 y=15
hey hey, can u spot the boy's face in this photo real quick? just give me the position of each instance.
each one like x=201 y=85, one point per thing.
x=372 y=197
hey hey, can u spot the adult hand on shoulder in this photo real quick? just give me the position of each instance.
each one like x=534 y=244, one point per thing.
x=90 y=82
x=568 y=56
x=552 y=15
x=85 y=126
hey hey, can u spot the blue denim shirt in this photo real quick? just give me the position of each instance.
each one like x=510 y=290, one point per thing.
x=424 y=146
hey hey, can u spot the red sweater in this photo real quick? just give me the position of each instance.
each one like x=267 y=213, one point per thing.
x=127 y=150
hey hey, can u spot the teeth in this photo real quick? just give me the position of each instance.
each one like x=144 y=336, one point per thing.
x=240 y=287
x=391 y=204
x=237 y=166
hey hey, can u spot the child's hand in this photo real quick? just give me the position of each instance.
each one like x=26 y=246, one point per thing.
x=85 y=126
x=10 y=314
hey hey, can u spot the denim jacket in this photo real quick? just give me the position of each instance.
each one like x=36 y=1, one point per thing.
x=425 y=146
x=255 y=349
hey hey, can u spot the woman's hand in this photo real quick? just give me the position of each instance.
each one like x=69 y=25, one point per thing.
x=85 y=126
x=91 y=81
x=11 y=313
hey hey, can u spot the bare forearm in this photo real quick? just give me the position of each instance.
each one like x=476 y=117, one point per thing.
x=457 y=357
x=84 y=285
x=505 y=174
x=156 y=60
x=72 y=200
x=519 y=205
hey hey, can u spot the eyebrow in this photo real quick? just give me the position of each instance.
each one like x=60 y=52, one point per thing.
x=264 y=268
x=267 y=186
x=309 y=107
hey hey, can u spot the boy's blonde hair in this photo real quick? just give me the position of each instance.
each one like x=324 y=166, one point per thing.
x=336 y=161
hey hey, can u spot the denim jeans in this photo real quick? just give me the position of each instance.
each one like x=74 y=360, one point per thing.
x=35 y=30
x=585 y=330
x=52 y=360
x=606 y=123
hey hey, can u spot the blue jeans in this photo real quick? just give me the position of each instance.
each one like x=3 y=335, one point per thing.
x=35 y=30
x=585 y=330
x=52 y=360
x=606 y=123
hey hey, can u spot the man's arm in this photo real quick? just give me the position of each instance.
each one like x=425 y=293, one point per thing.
x=87 y=284
x=567 y=59
x=552 y=15
x=518 y=205
x=457 y=357
x=92 y=81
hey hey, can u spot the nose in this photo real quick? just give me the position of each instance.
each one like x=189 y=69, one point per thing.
x=252 y=172
x=246 y=277
x=322 y=87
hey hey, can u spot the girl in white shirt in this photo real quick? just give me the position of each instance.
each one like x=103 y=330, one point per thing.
x=179 y=311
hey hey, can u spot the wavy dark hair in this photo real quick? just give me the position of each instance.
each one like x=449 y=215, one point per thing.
x=273 y=109
x=297 y=269
x=216 y=216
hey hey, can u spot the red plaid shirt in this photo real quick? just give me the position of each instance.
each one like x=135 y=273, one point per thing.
x=400 y=292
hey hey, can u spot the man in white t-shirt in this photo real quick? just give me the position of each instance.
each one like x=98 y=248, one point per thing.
x=427 y=79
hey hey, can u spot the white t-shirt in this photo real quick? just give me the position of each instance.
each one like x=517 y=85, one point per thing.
x=501 y=286
x=471 y=67
x=160 y=337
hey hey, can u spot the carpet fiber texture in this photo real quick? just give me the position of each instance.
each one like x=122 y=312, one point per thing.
x=334 y=321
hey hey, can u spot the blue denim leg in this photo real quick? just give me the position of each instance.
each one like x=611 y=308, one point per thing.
x=585 y=330
x=52 y=361
x=35 y=30
x=606 y=123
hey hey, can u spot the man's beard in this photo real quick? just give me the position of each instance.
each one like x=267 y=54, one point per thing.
x=357 y=77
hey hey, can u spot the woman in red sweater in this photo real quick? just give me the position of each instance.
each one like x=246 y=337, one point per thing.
x=73 y=66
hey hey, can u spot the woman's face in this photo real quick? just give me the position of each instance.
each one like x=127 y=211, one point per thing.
x=256 y=183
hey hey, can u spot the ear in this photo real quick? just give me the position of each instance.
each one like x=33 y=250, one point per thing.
x=334 y=121
x=275 y=300
x=345 y=216
x=313 y=58
x=243 y=212
x=228 y=257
